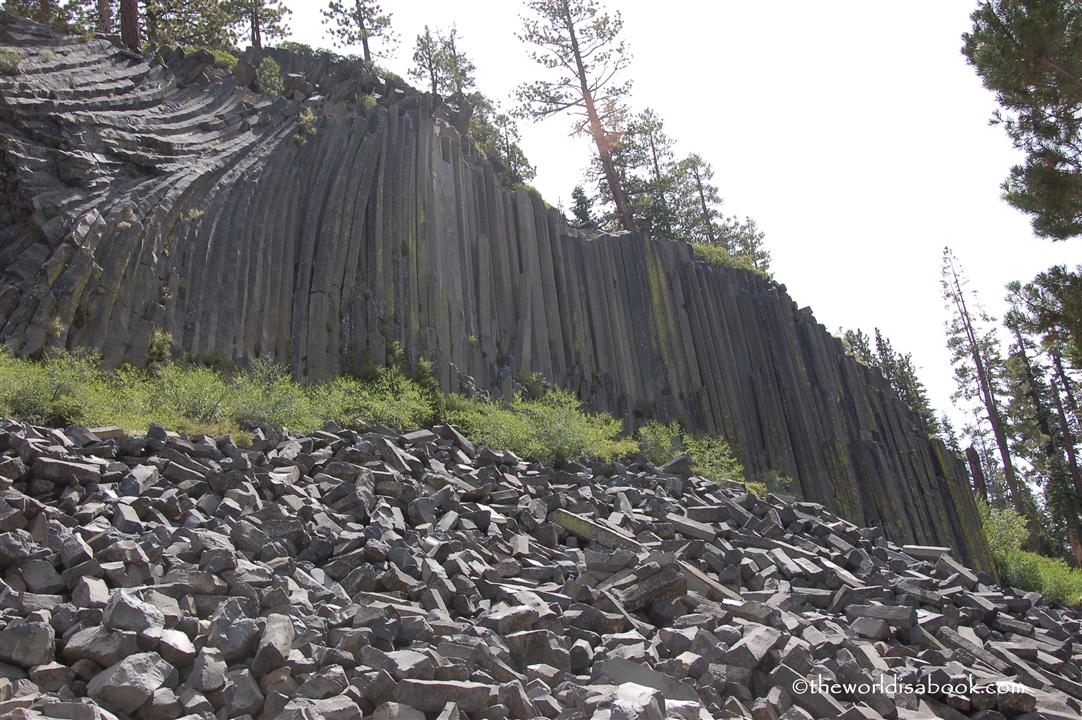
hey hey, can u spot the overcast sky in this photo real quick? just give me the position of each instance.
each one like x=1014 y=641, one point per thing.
x=853 y=132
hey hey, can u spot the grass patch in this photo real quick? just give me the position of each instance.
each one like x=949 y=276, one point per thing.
x=720 y=256
x=1053 y=578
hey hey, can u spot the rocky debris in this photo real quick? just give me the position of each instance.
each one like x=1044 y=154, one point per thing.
x=264 y=247
x=344 y=575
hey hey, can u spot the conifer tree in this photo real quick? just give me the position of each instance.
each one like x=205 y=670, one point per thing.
x=744 y=239
x=1034 y=433
x=457 y=68
x=188 y=23
x=427 y=60
x=358 y=21
x=698 y=203
x=579 y=44
x=258 y=20
x=581 y=205
x=978 y=366
x=1029 y=53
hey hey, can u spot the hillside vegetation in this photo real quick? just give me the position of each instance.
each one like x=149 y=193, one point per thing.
x=73 y=388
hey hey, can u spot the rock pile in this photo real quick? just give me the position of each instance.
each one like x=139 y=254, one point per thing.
x=381 y=575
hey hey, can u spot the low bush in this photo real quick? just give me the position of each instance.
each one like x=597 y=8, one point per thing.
x=711 y=457
x=70 y=388
x=721 y=256
x=1005 y=530
x=9 y=62
x=268 y=77
x=552 y=428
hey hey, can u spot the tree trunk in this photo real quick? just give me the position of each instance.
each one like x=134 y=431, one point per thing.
x=1057 y=473
x=702 y=203
x=1072 y=403
x=129 y=23
x=105 y=16
x=364 y=44
x=988 y=397
x=604 y=152
x=977 y=472
x=659 y=193
x=1074 y=532
x=257 y=34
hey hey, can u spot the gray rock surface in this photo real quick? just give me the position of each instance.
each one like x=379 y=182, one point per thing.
x=138 y=197
x=524 y=591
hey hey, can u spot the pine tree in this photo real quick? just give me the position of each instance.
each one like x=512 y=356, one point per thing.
x=497 y=136
x=257 y=20
x=1035 y=438
x=187 y=23
x=698 y=203
x=745 y=240
x=427 y=60
x=457 y=68
x=358 y=21
x=859 y=346
x=978 y=366
x=582 y=204
x=580 y=45
x=1028 y=52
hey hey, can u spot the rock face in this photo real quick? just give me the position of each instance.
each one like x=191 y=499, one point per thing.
x=141 y=197
x=331 y=584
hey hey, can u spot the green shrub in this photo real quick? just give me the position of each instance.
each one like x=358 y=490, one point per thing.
x=268 y=77
x=719 y=255
x=711 y=457
x=1005 y=530
x=267 y=394
x=187 y=397
x=661 y=442
x=9 y=62
x=550 y=429
x=304 y=50
x=306 y=125
x=194 y=392
x=367 y=102
x=49 y=392
x=775 y=482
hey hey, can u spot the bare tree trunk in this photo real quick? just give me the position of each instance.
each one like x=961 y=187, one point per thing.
x=257 y=35
x=364 y=44
x=702 y=202
x=988 y=396
x=105 y=16
x=604 y=152
x=977 y=472
x=129 y=23
x=1072 y=403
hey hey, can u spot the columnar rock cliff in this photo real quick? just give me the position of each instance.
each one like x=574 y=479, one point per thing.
x=163 y=196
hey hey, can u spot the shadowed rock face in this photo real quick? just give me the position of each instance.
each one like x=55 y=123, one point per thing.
x=138 y=197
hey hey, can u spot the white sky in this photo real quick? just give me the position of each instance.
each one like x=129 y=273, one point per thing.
x=853 y=132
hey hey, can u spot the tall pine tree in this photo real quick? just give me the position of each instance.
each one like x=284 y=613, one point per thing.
x=978 y=366
x=580 y=46
x=353 y=22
